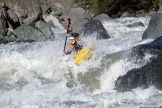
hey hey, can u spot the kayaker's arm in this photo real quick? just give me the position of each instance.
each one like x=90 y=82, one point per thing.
x=68 y=52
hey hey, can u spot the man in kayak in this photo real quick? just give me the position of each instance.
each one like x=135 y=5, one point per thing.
x=74 y=43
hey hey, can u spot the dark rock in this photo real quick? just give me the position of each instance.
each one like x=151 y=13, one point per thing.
x=28 y=33
x=154 y=28
x=1 y=38
x=95 y=26
x=59 y=14
x=149 y=74
x=136 y=24
x=15 y=19
x=9 y=20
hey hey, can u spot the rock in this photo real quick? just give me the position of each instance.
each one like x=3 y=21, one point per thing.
x=1 y=29
x=102 y=17
x=1 y=38
x=45 y=28
x=140 y=13
x=29 y=7
x=125 y=14
x=29 y=34
x=54 y=20
x=15 y=18
x=136 y=24
x=147 y=75
x=152 y=13
x=160 y=9
x=79 y=17
x=154 y=28
x=45 y=7
x=95 y=26
x=9 y=20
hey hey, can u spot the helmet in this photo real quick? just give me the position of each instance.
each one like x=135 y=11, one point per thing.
x=72 y=40
x=75 y=35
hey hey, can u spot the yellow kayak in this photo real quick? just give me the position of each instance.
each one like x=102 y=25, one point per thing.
x=84 y=53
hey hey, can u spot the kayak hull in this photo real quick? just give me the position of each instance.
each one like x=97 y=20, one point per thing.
x=84 y=53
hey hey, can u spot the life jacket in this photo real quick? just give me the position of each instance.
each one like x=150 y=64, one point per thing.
x=75 y=45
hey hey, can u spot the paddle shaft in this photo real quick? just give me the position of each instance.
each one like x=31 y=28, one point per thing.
x=68 y=28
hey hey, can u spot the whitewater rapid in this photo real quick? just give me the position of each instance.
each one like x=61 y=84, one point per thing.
x=38 y=75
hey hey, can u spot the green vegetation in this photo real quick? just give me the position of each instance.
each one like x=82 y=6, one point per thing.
x=116 y=8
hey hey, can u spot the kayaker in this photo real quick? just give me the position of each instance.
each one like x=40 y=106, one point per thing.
x=74 y=43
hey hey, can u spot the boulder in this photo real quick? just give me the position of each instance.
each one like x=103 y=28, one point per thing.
x=9 y=20
x=102 y=17
x=28 y=33
x=1 y=39
x=126 y=14
x=14 y=17
x=154 y=28
x=147 y=75
x=95 y=26
x=28 y=10
x=46 y=28
x=79 y=17
x=52 y=19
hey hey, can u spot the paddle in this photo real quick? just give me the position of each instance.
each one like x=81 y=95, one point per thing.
x=68 y=29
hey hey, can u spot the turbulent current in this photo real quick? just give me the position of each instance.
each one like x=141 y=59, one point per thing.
x=37 y=75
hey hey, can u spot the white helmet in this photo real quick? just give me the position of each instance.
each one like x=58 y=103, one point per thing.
x=71 y=37
x=72 y=40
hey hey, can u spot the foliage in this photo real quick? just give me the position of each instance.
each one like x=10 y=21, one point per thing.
x=118 y=7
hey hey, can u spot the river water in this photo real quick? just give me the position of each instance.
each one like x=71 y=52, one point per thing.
x=38 y=75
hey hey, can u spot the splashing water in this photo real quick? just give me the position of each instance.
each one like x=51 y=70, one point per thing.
x=36 y=75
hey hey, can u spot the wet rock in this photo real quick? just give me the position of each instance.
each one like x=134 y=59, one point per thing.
x=154 y=28
x=95 y=26
x=46 y=28
x=54 y=21
x=149 y=74
x=136 y=24
x=28 y=33
x=79 y=17
x=102 y=17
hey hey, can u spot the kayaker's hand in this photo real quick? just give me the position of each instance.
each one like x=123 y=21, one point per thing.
x=67 y=34
x=65 y=53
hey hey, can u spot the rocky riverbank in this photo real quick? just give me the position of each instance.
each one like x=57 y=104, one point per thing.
x=33 y=20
